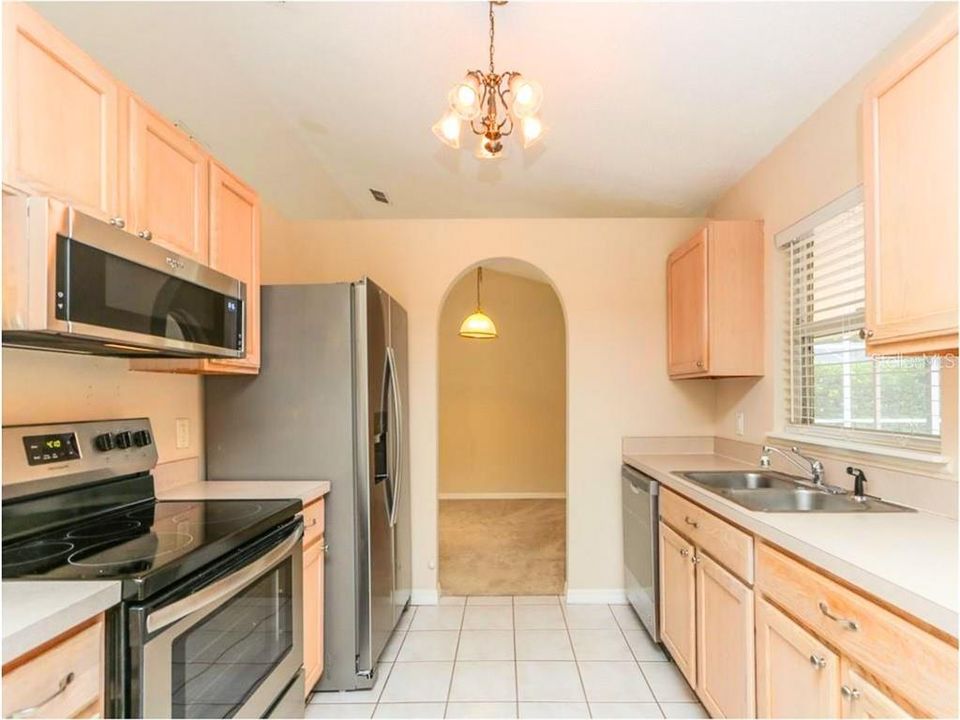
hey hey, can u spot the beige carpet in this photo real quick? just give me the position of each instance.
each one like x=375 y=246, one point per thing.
x=502 y=547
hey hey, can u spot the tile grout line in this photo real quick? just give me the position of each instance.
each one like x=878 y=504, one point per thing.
x=516 y=665
x=576 y=663
x=456 y=652
x=637 y=661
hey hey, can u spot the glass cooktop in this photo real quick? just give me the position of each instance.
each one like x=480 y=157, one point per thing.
x=148 y=545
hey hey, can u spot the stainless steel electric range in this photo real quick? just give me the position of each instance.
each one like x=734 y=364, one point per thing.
x=210 y=623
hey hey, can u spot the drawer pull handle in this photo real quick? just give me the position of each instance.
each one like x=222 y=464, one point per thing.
x=313 y=522
x=693 y=523
x=684 y=552
x=28 y=712
x=850 y=693
x=818 y=662
x=849 y=624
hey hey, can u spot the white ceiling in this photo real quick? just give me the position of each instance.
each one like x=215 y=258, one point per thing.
x=654 y=108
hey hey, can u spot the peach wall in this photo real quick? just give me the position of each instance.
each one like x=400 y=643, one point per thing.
x=817 y=163
x=609 y=276
x=503 y=402
x=41 y=387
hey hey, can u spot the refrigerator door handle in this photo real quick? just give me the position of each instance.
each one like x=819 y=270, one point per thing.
x=398 y=424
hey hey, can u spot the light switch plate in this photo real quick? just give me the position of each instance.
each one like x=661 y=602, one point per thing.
x=183 y=433
x=739 y=423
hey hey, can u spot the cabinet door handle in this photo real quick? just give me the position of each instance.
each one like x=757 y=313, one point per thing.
x=865 y=333
x=28 y=712
x=818 y=662
x=145 y=235
x=118 y=222
x=684 y=552
x=847 y=623
x=692 y=523
x=324 y=548
x=850 y=692
x=695 y=560
x=699 y=363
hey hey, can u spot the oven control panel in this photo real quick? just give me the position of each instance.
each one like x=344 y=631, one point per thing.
x=64 y=454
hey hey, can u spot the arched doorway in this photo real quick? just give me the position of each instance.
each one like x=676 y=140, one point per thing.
x=502 y=436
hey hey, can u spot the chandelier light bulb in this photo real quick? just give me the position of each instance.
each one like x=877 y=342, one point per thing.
x=447 y=129
x=533 y=130
x=527 y=96
x=465 y=99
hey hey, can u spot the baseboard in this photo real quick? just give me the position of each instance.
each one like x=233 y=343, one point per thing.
x=424 y=597
x=610 y=596
x=504 y=496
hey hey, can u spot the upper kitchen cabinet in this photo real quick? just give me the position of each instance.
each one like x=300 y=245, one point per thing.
x=60 y=134
x=167 y=184
x=910 y=198
x=715 y=302
x=235 y=251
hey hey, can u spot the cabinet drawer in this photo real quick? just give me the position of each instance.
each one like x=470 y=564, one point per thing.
x=921 y=666
x=312 y=522
x=726 y=544
x=37 y=682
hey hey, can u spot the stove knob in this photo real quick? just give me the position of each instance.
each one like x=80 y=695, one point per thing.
x=104 y=442
x=123 y=439
x=142 y=438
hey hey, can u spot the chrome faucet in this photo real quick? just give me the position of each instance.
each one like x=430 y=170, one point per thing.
x=810 y=465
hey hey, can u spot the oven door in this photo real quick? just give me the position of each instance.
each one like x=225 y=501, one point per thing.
x=227 y=644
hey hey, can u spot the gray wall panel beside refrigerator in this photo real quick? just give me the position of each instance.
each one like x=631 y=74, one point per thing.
x=330 y=403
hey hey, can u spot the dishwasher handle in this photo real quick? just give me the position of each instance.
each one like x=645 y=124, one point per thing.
x=639 y=483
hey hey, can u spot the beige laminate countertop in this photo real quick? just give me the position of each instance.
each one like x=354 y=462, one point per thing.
x=908 y=560
x=304 y=490
x=35 y=611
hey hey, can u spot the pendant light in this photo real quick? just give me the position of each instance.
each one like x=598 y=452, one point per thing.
x=478 y=326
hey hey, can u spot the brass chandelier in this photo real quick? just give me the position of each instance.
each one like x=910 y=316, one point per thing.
x=492 y=105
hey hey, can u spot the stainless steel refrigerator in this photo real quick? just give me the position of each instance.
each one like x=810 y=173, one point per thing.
x=330 y=403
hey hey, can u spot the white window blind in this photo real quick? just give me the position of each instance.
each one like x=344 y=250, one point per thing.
x=833 y=387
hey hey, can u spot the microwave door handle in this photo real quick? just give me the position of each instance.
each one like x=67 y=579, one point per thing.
x=221 y=589
x=398 y=424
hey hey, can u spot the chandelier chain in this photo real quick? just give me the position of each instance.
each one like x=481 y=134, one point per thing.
x=491 y=36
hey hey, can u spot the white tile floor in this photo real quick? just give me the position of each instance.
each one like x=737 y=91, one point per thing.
x=522 y=657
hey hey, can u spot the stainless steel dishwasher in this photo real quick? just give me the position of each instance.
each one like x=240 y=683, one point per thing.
x=640 y=546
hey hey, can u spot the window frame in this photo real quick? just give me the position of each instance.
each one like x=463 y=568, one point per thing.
x=868 y=438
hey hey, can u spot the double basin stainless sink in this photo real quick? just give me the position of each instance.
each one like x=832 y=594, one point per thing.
x=771 y=491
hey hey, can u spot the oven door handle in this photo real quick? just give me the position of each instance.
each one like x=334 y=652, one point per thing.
x=223 y=588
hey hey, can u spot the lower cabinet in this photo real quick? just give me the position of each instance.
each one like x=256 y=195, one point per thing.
x=314 y=554
x=706 y=623
x=862 y=699
x=797 y=675
x=678 y=602
x=724 y=641
x=64 y=679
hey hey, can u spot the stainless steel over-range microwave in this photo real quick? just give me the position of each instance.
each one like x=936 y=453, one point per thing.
x=74 y=283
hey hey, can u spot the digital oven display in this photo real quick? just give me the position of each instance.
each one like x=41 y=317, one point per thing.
x=42 y=449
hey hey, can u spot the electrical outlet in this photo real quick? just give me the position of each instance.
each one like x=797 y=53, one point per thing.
x=183 y=433
x=739 y=423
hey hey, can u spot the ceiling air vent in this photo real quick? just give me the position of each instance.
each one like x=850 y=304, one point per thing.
x=380 y=196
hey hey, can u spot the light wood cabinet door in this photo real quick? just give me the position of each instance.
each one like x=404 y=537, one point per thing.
x=63 y=679
x=687 y=307
x=235 y=251
x=797 y=675
x=910 y=184
x=678 y=597
x=312 y=614
x=725 y=647
x=60 y=113
x=862 y=699
x=167 y=180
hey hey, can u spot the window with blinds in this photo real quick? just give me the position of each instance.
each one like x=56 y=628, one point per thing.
x=833 y=387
